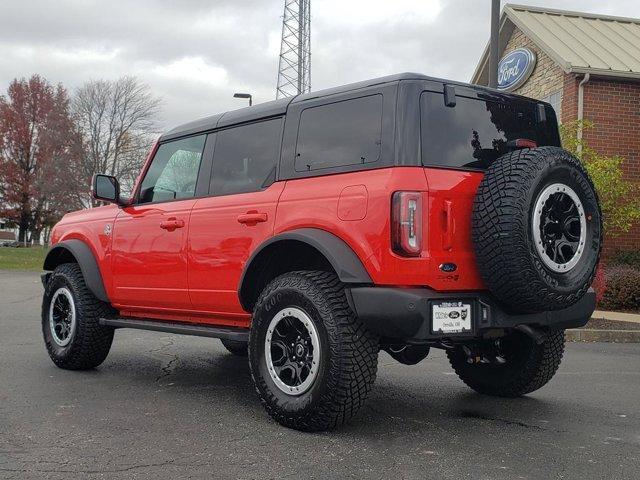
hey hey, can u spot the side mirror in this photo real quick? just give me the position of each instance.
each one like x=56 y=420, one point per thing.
x=105 y=188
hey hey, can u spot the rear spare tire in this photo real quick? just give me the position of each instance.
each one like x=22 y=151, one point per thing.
x=537 y=229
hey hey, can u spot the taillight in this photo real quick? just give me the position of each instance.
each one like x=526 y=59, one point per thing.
x=521 y=143
x=406 y=223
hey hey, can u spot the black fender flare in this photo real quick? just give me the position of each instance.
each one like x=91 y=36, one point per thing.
x=83 y=255
x=338 y=253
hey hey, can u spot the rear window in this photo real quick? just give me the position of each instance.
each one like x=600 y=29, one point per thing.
x=475 y=132
x=340 y=134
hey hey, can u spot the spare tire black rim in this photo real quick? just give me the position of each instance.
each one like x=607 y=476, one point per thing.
x=559 y=227
x=292 y=351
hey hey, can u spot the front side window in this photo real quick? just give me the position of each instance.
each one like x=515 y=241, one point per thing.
x=245 y=157
x=174 y=171
x=475 y=132
x=340 y=134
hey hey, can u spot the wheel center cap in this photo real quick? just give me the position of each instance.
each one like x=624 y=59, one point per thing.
x=300 y=350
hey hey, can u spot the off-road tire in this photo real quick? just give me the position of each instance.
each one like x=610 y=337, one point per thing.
x=533 y=367
x=349 y=352
x=235 y=347
x=506 y=252
x=91 y=342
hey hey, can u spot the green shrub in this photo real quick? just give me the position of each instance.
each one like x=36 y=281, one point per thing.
x=619 y=197
x=626 y=257
x=622 y=291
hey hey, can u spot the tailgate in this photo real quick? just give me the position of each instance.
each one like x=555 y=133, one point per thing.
x=449 y=212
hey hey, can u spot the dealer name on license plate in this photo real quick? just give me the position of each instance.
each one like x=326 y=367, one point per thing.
x=451 y=317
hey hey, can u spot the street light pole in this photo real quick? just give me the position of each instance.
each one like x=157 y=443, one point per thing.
x=244 y=95
x=493 y=44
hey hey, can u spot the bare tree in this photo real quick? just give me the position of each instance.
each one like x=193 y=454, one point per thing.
x=117 y=120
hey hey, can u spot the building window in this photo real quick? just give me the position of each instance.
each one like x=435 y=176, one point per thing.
x=555 y=99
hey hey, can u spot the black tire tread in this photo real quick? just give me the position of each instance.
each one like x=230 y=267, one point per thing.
x=504 y=253
x=354 y=355
x=541 y=365
x=237 y=348
x=92 y=341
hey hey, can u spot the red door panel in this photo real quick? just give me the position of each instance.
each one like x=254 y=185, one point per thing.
x=224 y=231
x=149 y=258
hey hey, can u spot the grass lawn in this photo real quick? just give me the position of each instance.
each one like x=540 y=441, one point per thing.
x=22 y=258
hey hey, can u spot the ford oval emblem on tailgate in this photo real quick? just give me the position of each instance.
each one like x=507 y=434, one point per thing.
x=448 y=267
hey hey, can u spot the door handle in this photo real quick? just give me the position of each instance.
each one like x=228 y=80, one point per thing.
x=171 y=224
x=252 y=218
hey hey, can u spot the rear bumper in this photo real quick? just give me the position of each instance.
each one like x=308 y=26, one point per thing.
x=405 y=314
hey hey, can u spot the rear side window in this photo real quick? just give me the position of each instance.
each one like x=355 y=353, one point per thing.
x=339 y=134
x=173 y=172
x=245 y=157
x=475 y=132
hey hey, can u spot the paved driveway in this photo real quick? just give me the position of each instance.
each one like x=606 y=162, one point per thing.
x=180 y=407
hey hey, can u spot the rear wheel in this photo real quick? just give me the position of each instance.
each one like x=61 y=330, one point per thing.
x=240 y=349
x=74 y=338
x=511 y=366
x=312 y=361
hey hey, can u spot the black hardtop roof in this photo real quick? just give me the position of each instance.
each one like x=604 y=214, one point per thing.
x=279 y=107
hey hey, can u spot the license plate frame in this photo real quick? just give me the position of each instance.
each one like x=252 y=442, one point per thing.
x=452 y=317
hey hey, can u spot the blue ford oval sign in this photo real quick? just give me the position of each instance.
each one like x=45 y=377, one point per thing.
x=515 y=68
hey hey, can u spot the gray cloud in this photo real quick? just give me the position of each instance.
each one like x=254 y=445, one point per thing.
x=196 y=53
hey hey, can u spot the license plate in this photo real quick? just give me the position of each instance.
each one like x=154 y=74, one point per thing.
x=451 y=317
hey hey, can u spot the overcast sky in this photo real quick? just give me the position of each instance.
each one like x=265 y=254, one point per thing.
x=196 y=53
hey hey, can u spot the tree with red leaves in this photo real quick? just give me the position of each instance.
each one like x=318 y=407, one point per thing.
x=39 y=152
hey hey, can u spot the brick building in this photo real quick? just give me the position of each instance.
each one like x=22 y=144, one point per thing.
x=587 y=66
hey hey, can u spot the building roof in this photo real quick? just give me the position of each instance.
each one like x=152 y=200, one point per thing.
x=601 y=45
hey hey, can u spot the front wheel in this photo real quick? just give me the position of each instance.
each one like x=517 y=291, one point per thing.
x=312 y=361
x=74 y=338
x=524 y=366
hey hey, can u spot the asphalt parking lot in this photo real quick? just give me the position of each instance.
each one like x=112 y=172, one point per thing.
x=181 y=407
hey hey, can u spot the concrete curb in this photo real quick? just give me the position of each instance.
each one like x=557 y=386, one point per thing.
x=610 y=336
x=617 y=316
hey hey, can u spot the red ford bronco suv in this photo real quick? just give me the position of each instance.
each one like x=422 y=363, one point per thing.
x=402 y=213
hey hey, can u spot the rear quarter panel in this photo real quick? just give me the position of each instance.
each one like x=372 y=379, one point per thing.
x=335 y=203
